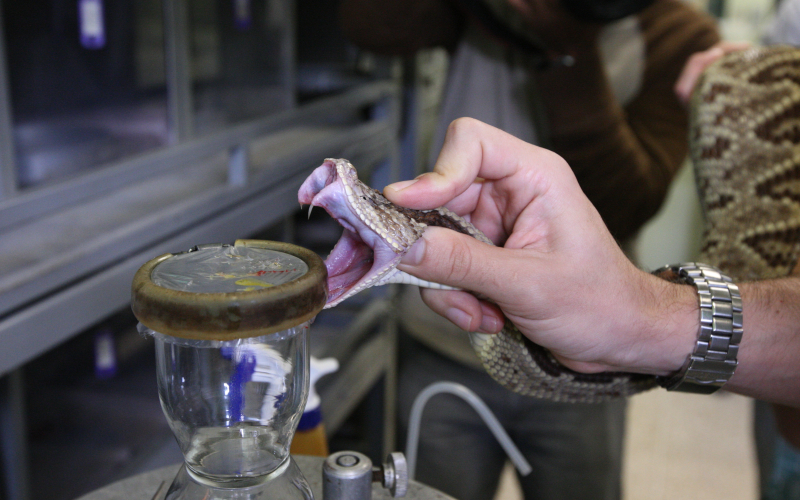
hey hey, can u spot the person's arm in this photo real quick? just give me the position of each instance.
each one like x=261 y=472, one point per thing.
x=769 y=354
x=560 y=277
x=625 y=158
x=400 y=27
x=556 y=273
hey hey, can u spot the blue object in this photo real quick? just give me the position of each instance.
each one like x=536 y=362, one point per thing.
x=91 y=21
x=310 y=419
x=242 y=17
x=241 y=375
x=105 y=354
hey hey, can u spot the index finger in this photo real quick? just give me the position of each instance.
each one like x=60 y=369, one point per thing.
x=471 y=150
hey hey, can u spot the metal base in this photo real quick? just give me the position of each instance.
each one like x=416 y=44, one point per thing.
x=286 y=482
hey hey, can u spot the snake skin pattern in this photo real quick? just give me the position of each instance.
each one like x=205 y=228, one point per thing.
x=370 y=220
x=745 y=146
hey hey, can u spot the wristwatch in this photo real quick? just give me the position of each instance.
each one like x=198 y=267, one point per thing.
x=713 y=360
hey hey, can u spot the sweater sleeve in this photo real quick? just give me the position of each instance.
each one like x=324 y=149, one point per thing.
x=626 y=158
x=400 y=27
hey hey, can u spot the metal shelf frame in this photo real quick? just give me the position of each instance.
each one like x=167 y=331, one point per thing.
x=58 y=296
x=64 y=300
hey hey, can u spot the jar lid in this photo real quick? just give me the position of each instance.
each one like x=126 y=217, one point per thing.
x=225 y=292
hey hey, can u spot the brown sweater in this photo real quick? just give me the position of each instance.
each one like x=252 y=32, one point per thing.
x=624 y=158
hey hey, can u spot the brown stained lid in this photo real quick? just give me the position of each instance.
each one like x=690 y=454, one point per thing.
x=225 y=292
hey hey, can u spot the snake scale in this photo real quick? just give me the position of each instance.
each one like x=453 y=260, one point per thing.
x=744 y=135
x=745 y=146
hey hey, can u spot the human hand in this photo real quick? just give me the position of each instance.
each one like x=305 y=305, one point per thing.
x=559 y=276
x=698 y=63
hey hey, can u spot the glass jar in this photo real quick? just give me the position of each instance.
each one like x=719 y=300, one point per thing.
x=230 y=324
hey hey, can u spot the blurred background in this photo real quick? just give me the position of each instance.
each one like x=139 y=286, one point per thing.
x=134 y=128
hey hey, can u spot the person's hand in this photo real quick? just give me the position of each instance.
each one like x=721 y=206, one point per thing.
x=698 y=63
x=557 y=274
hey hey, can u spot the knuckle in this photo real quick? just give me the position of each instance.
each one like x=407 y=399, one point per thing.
x=464 y=125
x=460 y=262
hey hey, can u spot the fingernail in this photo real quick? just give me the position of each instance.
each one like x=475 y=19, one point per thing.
x=459 y=318
x=414 y=255
x=489 y=324
x=399 y=186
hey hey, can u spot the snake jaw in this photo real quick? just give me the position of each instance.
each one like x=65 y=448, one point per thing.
x=362 y=257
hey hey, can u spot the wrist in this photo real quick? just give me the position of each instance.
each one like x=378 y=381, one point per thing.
x=713 y=359
x=671 y=323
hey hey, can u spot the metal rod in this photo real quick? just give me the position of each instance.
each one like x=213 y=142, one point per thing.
x=289 y=62
x=14 y=437
x=8 y=162
x=390 y=328
x=177 y=57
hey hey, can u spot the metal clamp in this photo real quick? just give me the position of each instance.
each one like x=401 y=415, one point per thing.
x=348 y=475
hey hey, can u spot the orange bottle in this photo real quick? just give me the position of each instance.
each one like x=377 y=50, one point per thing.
x=310 y=437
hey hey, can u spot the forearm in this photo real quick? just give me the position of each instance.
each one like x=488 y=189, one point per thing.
x=399 y=27
x=563 y=281
x=769 y=354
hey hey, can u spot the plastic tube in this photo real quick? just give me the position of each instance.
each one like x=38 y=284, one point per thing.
x=412 y=441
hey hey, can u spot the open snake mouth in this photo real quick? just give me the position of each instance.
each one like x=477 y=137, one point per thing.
x=361 y=258
x=349 y=263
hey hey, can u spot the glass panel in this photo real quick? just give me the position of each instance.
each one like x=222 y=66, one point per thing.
x=87 y=83
x=241 y=60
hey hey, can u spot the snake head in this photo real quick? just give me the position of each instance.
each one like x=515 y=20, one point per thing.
x=376 y=234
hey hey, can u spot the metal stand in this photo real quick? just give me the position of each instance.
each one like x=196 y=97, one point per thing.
x=13 y=433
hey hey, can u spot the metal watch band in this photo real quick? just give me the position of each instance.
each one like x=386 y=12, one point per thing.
x=713 y=360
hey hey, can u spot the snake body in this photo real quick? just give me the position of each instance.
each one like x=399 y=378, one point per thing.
x=744 y=136
x=745 y=147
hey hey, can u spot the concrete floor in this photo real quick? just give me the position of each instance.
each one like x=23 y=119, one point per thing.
x=683 y=446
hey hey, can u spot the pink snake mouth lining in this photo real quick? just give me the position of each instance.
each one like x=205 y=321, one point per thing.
x=360 y=257
x=348 y=263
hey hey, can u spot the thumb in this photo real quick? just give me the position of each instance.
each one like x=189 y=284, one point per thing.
x=454 y=259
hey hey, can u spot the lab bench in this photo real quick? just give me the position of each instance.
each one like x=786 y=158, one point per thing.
x=152 y=485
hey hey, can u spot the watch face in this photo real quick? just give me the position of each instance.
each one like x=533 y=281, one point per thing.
x=604 y=10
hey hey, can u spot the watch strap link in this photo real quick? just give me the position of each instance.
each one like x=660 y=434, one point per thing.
x=714 y=358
